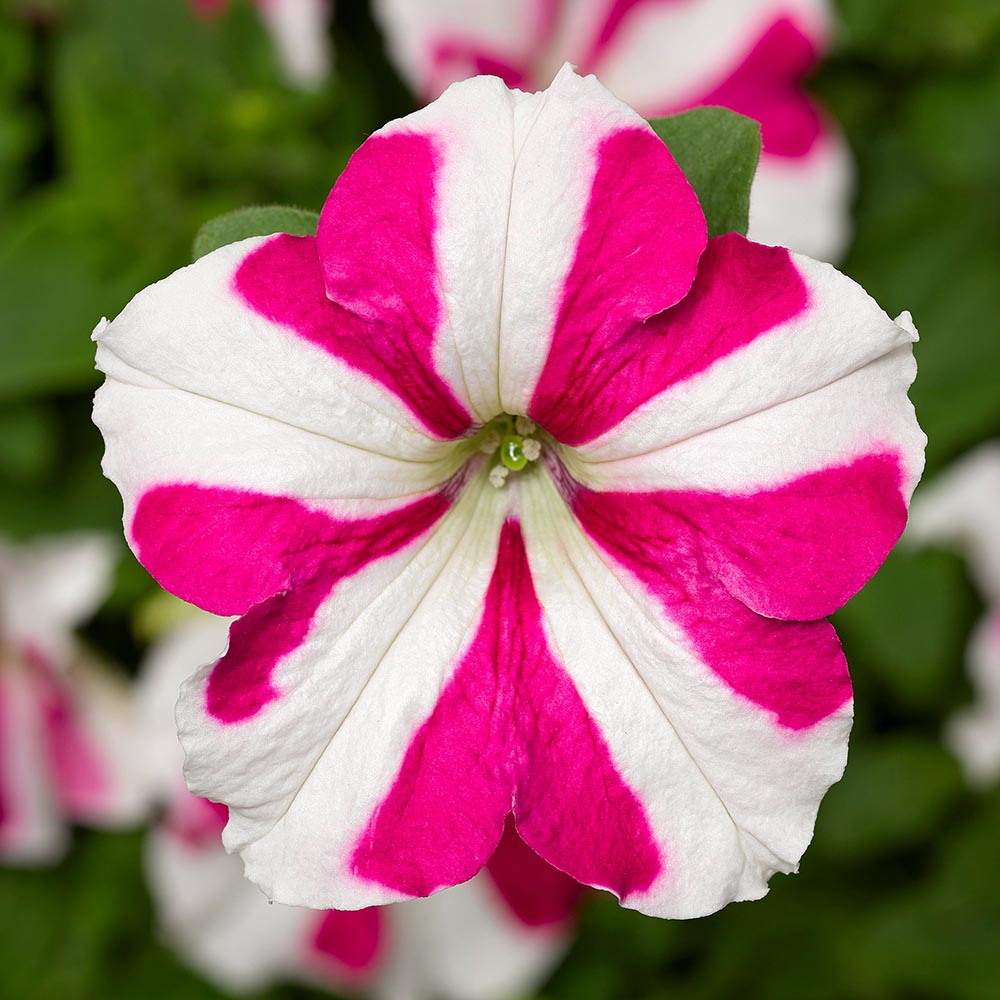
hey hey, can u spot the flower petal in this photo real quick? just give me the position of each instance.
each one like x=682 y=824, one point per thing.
x=742 y=291
x=438 y=42
x=349 y=942
x=803 y=202
x=459 y=945
x=341 y=705
x=535 y=892
x=973 y=732
x=604 y=232
x=512 y=724
x=796 y=551
x=755 y=392
x=412 y=241
x=291 y=558
x=300 y=30
x=67 y=754
x=50 y=585
x=204 y=385
x=728 y=727
x=31 y=829
x=709 y=42
x=661 y=58
x=462 y=944
x=283 y=280
x=960 y=508
x=90 y=736
x=751 y=56
x=218 y=921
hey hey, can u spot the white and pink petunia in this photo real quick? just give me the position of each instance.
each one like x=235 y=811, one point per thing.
x=66 y=723
x=961 y=508
x=495 y=937
x=532 y=500
x=300 y=32
x=661 y=57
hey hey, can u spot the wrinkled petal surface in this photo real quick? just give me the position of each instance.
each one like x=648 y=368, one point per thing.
x=618 y=659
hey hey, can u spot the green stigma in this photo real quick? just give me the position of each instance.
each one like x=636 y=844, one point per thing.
x=512 y=452
x=514 y=440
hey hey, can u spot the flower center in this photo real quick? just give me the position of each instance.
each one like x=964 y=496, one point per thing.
x=509 y=440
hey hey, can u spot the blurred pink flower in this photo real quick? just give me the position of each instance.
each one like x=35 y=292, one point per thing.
x=609 y=624
x=66 y=726
x=495 y=937
x=300 y=31
x=661 y=57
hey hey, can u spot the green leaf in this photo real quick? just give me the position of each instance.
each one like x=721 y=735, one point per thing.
x=907 y=628
x=28 y=443
x=895 y=794
x=718 y=151
x=258 y=220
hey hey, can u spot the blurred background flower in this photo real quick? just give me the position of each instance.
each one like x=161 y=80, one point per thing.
x=751 y=56
x=496 y=936
x=125 y=125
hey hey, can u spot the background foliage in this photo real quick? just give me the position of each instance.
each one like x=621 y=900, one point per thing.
x=125 y=125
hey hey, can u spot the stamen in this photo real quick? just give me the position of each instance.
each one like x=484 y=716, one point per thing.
x=490 y=442
x=498 y=475
x=507 y=437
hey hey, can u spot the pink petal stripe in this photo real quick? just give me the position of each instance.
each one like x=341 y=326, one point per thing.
x=615 y=14
x=351 y=939
x=194 y=821
x=742 y=291
x=509 y=731
x=6 y=810
x=768 y=87
x=691 y=549
x=638 y=252
x=536 y=893
x=377 y=253
x=802 y=550
x=282 y=281
x=269 y=558
x=454 y=59
x=78 y=773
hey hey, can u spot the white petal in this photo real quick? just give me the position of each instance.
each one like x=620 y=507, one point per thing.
x=462 y=944
x=961 y=507
x=379 y=651
x=973 y=733
x=803 y=202
x=49 y=585
x=817 y=390
x=730 y=796
x=300 y=29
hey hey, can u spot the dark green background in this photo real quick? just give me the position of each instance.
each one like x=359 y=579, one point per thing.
x=125 y=124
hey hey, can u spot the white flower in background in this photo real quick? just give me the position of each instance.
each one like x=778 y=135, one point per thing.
x=494 y=937
x=66 y=723
x=961 y=509
x=662 y=57
x=300 y=32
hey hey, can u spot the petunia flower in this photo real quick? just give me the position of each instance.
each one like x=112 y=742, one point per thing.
x=619 y=642
x=662 y=57
x=496 y=936
x=65 y=722
x=961 y=509
x=299 y=30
